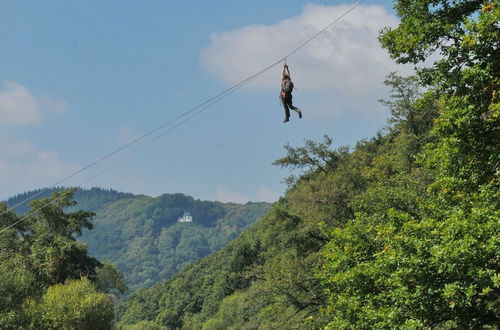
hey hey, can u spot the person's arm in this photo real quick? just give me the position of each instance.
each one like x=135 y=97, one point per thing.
x=285 y=71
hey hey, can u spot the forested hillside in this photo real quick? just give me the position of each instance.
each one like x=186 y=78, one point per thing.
x=140 y=234
x=401 y=232
x=86 y=199
x=49 y=279
x=142 y=237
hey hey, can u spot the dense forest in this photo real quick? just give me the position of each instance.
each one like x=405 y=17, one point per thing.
x=403 y=231
x=86 y=199
x=142 y=237
x=44 y=260
x=140 y=234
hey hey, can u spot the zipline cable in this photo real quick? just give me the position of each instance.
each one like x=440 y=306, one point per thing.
x=324 y=29
x=208 y=102
x=207 y=106
x=214 y=98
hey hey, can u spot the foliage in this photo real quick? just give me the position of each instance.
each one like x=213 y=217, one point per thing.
x=142 y=237
x=87 y=199
x=420 y=253
x=143 y=325
x=73 y=305
x=265 y=278
x=140 y=234
x=44 y=241
x=109 y=279
x=39 y=253
x=313 y=157
x=392 y=269
x=402 y=232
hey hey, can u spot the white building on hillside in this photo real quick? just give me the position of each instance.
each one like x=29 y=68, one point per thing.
x=185 y=218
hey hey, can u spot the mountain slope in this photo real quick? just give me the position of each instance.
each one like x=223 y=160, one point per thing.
x=402 y=232
x=87 y=199
x=266 y=277
x=141 y=235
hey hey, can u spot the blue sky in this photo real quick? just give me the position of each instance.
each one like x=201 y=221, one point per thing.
x=80 y=79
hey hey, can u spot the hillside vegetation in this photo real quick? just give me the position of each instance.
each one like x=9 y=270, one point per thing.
x=49 y=279
x=142 y=237
x=140 y=234
x=401 y=232
x=86 y=199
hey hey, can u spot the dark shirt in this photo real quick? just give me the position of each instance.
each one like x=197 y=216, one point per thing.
x=287 y=94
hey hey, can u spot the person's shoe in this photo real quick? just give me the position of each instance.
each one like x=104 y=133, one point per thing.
x=300 y=114
x=286 y=119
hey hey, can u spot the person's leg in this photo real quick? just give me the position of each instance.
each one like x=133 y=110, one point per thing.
x=294 y=108
x=287 y=110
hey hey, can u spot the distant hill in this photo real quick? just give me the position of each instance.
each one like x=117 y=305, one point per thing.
x=141 y=235
x=87 y=199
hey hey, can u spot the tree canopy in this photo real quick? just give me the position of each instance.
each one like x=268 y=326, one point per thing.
x=401 y=232
x=47 y=278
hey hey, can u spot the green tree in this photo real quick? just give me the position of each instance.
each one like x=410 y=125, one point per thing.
x=311 y=158
x=144 y=325
x=425 y=258
x=400 y=233
x=466 y=77
x=49 y=243
x=75 y=304
x=16 y=284
x=109 y=279
x=37 y=255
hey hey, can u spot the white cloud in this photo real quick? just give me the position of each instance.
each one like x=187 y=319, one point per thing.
x=263 y=194
x=267 y=195
x=344 y=63
x=24 y=167
x=17 y=105
x=226 y=196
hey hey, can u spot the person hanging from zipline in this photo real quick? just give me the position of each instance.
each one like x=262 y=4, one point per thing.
x=286 y=93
